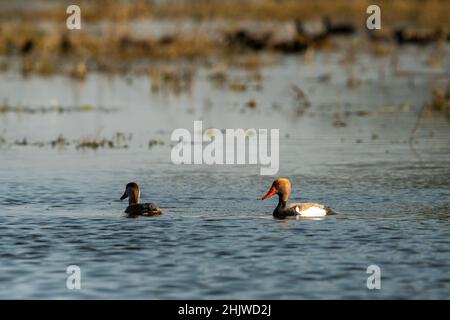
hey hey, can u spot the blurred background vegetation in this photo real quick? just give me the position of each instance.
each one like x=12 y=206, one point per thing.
x=130 y=36
x=36 y=30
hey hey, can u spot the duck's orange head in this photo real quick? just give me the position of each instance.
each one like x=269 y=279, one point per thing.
x=281 y=187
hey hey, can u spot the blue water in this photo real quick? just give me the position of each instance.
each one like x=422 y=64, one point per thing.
x=216 y=238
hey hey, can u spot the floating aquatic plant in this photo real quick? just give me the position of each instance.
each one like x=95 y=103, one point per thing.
x=7 y=108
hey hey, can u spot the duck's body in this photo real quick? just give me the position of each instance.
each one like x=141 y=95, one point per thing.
x=306 y=209
x=133 y=193
x=282 y=187
x=143 y=209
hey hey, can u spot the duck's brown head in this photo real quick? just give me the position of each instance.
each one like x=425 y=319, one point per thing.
x=132 y=192
x=281 y=187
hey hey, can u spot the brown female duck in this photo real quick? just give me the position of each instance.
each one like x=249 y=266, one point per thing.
x=135 y=208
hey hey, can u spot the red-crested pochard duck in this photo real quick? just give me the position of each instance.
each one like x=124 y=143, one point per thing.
x=134 y=207
x=282 y=187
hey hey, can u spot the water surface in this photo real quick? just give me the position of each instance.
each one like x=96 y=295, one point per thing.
x=216 y=239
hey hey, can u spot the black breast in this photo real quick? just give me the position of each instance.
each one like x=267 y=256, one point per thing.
x=284 y=212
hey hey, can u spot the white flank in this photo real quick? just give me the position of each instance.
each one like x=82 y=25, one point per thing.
x=311 y=212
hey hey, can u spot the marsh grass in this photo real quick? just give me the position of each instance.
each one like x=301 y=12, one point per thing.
x=7 y=108
x=440 y=101
x=171 y=78
x=119 y=140
x=77 y=54
x=38 y=35
x=432 y=13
